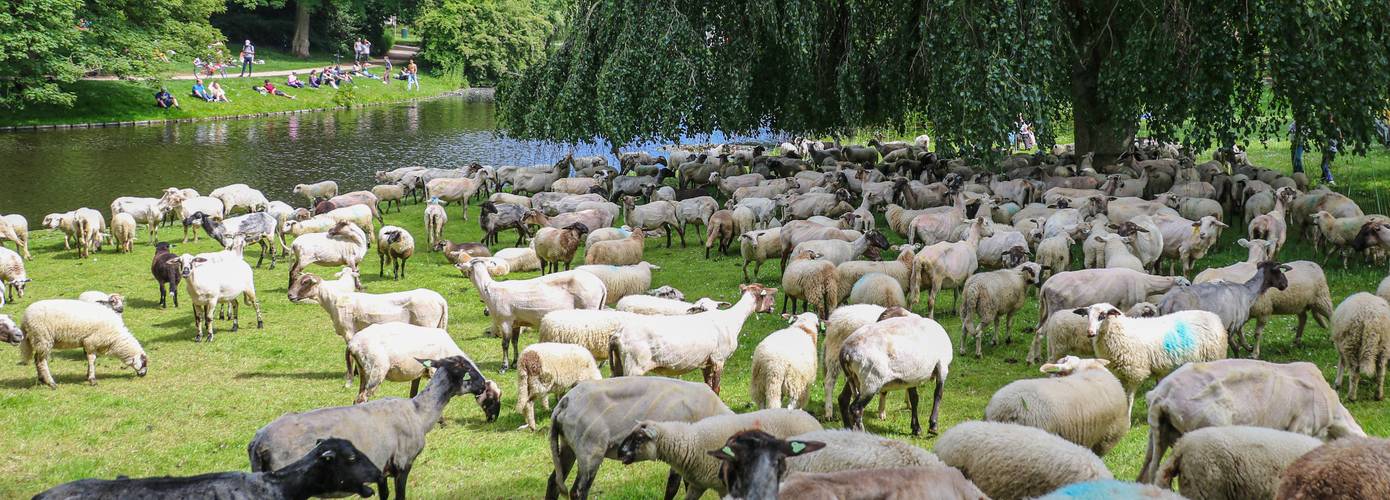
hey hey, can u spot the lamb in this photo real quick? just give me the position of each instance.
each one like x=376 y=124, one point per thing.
x=1082 y=403
x=391 y=351
x=550 y=368
x=1233 y=461
x=390 y=432
x=1054 y=254
x=754 y=463
x=1009 y=461
x=1291 y=397
x=312 y=192
x=212 y=282
x=1139 y=348
x=15 y=228
x=682 y=445
x=167 y=271
x=758 y=246
x=435 y=218
x=461 y=251
x=992 y=295
x=332 y=465
x=352 y=311
x=812 y=281
x=1361 y=333
x=647 y=305
x=518 y=303
x=114 y=301
x=240 y=196
x=785 y=363
x=900 y=269
x=623 y=252
x=902 y=351
x=1122 y=287
x=1230 y=301
x=396 y=246
x=69 y=324
x=840 y=251
x=622 y=281
x=344 y=245
x=13 y=276
x=1346 y=468
x=947 y=265
x=577 y=436
x=557 y=245
x=675 y=345
x=879 y=289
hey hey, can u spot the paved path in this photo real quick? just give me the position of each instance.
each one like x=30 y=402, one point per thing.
x=399 y=54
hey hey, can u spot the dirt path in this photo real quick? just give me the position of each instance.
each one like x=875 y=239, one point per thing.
x=399 y=54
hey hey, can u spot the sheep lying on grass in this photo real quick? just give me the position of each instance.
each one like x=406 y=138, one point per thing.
x=70 y=324
x=656 y=306
x=550 y=368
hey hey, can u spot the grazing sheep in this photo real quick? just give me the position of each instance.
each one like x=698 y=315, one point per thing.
x=1346 y=468
x=212 y=282
x=900 y=269
x=758 y=246
x=1292 y=397
x=842 y=322
x=903 y=350
x=114 y=301
x=394 y=245
x=683 y=445
x=1361 y=333
x=550 y=368
x=189 y=206
x=1082 y=402
x=344 y=245
x=1230 y=301
x=390 y=431
x=592 y=420
x=15 y=228
x=312 y=192
x=1121 y=287
x=623 y=252
x=1340 y=233
x=812 y=281
x=1010 y=461
x=522 y=303
x=1139 y=348
x=123 y=232
x=70 y=324
x=558 y=245
x=388 y=194
x=1232 y=462
x=435 y=218
x=391 y=351
x=992 y=295
x=622 y=281
x=657 y=306
x=785 y=363
x=675 y=345
x=13 y=276
x=721 y=228
x=879 y=289
x=333 y=465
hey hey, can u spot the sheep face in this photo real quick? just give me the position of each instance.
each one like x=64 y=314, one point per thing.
x=466 y=379
x=344 y=467
x=752 y=462
x=1096 y=315
x=638 y=443
x=765 y=297
x=304 y=288
x=9 y=331
x=140 y=363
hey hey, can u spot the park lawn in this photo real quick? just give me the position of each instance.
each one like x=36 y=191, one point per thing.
x=101 y=101
x=275 y=60
x=201 y=403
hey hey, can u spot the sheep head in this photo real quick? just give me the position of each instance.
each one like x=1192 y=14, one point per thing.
x=1096 y=315
x=752 y=462
x=637 y=445
x=10 y=332
x=765 y=298
x=305 y=287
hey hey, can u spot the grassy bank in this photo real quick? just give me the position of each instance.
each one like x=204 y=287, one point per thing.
x=201 y=403
x=113 y=101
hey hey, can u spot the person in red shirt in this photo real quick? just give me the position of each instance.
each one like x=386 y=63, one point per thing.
x=270 y=89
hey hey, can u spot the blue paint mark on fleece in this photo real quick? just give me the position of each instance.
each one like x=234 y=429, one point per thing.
x=1179 y=340
x=1095 y=490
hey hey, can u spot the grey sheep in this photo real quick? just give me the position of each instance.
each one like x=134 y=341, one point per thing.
x=1009 y=461
x=1232 y=462
x=1082 y=402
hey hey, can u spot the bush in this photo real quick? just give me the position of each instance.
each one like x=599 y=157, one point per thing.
x=485 y=40
x=345 y=96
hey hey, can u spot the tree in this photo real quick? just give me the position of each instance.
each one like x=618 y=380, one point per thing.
x=47 y=43
x=1205 y=72
x=485 y=39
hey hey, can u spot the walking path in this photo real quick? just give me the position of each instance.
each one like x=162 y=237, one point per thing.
x=399 y=53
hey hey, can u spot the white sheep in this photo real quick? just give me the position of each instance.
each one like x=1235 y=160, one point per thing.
x=548 y=368
x=212 y=282
x=358 y=215
x=519 y=260
x=148 y=211
x=15 y=227
x=115 y=301
x=207 y=205
x=587 y=328
x=1361 y=333
x=1140 y=348
x=390 y=351
x=123 y=232
x=386 y=194
x=784 y=363
x=843 y=321
x=619 y=252
x=344 y=245
x=312 y=192
x=947 y=265
x=853 y=450
x=758 y=246
x=70 y=324
x=623 y=281
x=522 y=303
x=1010 y=461
x=901 y=351
x=435 y=218
x=1117 y=254
x=879 y=289
x=1232 y=462
x=812 y=281
x=13 y=276
x=239 y=196
x=1082 y=402
x=900 y=269
x=1054 y=253
x=991 y=296
x=647 y=305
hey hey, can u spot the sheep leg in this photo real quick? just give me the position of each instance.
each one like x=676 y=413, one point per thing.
x=1298 y=333
x=681 y=230
x=673 y=484
x=935 y=406
x=381 y=265
x=1337 y=381
x=163 y=296
x=585 y=478
x=931 y=299
x=564 y=460
x=1353 y=380
x=404 y=472
x=516 y=351
x=91 y=367
x=365 y=388
x=1380 y=377
x=41 y=364
x=912 y=403
x=347 y=375
x=832 y=372
x=883 y=405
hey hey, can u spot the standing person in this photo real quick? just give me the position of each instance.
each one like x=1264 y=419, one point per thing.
x=248 y=58
x=412 y=76
x=356 y=50
x=1296 y=149
x=366 y=51
x=386 y=79
x=1329 y=153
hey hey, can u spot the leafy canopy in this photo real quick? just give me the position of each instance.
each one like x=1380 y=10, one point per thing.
x=485 y=40
x=1206 y=72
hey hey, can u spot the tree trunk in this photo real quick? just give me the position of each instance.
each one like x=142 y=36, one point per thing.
x=299 y=45
x=1096 y=129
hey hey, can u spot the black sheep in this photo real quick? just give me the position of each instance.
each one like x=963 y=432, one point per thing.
x=165 y=269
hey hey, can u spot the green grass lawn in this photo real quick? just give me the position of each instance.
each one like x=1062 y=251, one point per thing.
x=113 y=101
x=201 y=403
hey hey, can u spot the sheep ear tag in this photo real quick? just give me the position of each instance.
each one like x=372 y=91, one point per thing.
x=797 y=446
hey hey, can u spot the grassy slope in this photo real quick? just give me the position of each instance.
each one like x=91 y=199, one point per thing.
x=201 y=403
x=111 y=101
x=275 y=60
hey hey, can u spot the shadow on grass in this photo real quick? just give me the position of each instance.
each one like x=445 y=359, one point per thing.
x=76 y=376
x=323 y=375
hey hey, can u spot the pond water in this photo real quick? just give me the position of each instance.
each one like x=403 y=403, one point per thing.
x=61 y=170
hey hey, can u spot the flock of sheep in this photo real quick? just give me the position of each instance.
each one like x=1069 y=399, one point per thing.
x=1238 y=428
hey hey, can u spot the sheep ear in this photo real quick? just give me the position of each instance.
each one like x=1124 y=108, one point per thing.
x=1050 y=368
x=1080 y=311
x=1112 y=313
x=796 y=448
x=1243 y=242
x=726 y=453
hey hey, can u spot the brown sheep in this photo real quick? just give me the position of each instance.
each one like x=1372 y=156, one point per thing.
x=719 y=228
x=555 y=246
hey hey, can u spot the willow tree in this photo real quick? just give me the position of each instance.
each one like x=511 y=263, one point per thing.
x=1205 y=72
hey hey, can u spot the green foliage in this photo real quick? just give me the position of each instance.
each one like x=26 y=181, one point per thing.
x=345 y=96
x=631 y=70
x=46 y=43
x=487 y=39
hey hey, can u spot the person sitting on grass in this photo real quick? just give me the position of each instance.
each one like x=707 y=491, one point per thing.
x=216 y=93
x=360 y=70
x=270 y=89
x=293 y=81
x=340 y=75
x=201 y=92
x=165 y=100
x=314 y=79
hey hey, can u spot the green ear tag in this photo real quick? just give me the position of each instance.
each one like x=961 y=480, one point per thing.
x=728 y=451
x=797 y=446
